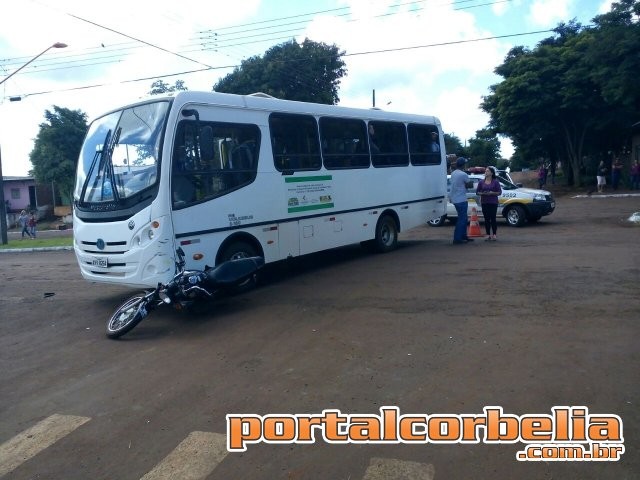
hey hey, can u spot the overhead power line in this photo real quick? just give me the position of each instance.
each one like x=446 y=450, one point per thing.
x=219 y=41
x=331 y=10
x=442 y=44
x=371 y=52
x=138 y=40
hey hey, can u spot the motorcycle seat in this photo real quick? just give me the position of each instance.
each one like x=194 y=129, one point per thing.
x=231 y=272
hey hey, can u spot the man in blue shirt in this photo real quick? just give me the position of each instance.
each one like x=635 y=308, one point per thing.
x=435 y=144
x=458 y=196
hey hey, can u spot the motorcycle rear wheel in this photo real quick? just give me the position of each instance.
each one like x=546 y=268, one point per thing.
x=127 y=316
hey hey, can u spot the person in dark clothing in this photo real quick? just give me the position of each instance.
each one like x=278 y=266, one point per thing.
x=601 y=176
x=489 y=190
x=616 y=173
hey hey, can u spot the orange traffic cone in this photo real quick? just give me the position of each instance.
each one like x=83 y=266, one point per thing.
x=474 y=224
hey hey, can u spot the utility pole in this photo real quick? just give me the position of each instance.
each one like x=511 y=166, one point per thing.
x=3 y=205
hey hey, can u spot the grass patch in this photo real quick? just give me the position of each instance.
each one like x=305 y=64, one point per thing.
x=38 y=243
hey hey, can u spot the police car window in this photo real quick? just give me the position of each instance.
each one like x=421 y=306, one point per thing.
x=506 y=185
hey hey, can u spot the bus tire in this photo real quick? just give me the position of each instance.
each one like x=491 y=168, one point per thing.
x=241 y=249
x=386 y=234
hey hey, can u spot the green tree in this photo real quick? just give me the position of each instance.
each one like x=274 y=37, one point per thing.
x=575 y=95
x=57 y=146
x=160 y=87
x=614 y=65
x=453 y=145
x=544 y=98
x=484 y=148
x=309 y=72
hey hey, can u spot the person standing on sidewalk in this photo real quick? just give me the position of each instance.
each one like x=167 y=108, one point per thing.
x=458 y=196
x=31 y=223
x=601 y=176
x=616 y=173
x=542 y=175
x=635 y=175
x=23 y=223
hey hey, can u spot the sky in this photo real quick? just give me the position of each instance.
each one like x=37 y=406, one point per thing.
x=431 y=57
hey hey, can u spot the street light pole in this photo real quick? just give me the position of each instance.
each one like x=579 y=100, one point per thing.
x=55 y=45
x=3 y=208
x=3 y=205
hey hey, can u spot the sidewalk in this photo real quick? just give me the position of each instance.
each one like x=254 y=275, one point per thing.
x=16 y=235
x=34 y=249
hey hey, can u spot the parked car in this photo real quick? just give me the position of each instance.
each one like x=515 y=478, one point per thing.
x=501 y=173
x=516 y=204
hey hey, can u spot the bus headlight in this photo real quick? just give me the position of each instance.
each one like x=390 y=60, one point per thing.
x=151 y=234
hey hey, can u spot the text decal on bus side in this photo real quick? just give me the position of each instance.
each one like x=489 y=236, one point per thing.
x=309 y=193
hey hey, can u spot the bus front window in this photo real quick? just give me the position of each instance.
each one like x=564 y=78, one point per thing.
x=120 y=158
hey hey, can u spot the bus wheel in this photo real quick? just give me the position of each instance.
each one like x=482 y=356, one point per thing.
x=386 y=234
x=241 y=250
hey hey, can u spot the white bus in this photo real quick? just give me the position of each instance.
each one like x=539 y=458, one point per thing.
x=224 y=176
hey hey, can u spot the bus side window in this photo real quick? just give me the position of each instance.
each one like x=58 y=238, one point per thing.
x=345 y=141
x=223 y=158
x=424 y=146
x=183 y=190
x=294 y=141
x=207 y=152
x=242 y=156
x=391 y=139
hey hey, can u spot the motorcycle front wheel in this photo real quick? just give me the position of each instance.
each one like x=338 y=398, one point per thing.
x=127 y=316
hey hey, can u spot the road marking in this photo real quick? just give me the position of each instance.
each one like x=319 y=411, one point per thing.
x=194 y=459
x=32 y=441
x=385 y=468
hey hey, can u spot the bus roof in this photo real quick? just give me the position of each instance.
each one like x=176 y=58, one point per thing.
x=260 y=101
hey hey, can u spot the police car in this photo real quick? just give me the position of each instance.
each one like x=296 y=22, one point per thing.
x=516 y=204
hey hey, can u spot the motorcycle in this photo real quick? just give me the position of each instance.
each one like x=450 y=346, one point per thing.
x=185 y=289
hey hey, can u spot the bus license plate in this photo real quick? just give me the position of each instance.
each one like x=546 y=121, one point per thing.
x=99 y=262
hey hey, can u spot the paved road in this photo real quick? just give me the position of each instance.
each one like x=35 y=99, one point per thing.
x=546 y=316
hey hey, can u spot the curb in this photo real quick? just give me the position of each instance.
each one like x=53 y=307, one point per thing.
x=34 y=249
x=607 y=195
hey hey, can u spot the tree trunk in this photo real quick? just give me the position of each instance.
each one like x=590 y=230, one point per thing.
x=573 y=141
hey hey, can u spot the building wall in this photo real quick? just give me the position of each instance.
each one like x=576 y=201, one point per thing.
x=16 y=193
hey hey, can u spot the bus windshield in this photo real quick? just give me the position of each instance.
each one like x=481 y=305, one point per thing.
x=120 y=158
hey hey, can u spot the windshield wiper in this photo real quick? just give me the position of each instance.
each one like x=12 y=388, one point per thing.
x=99 y=155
